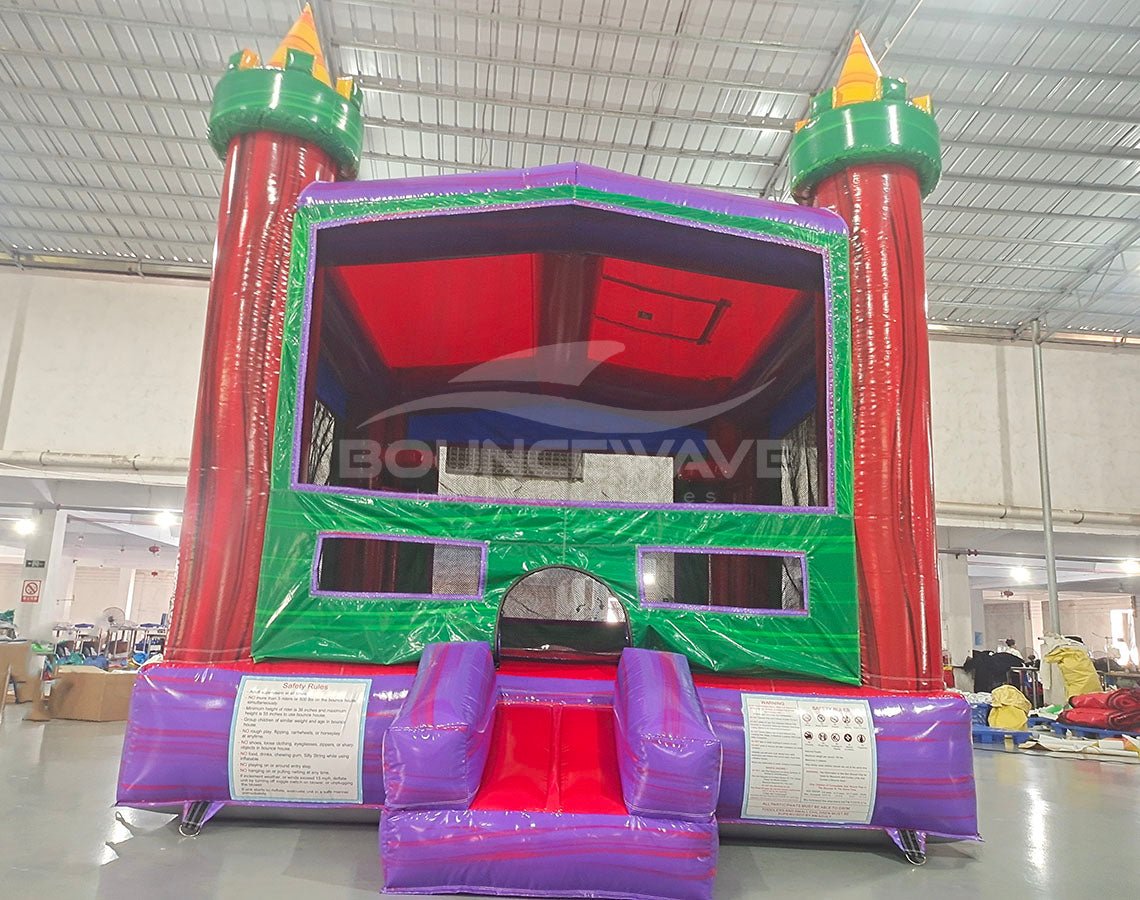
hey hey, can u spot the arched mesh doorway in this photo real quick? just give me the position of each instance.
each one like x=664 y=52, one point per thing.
x=561 y=613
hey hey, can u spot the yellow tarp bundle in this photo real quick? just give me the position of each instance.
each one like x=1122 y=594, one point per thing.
x=1010 y=709
x=1077 y=670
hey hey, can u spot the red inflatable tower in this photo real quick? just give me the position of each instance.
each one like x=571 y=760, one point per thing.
x=870 y=154
x=278 y=127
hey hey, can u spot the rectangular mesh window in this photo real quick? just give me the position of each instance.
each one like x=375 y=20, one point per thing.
x=748 y=581
x=521 y=462
x=363 y=565
x=572 y=356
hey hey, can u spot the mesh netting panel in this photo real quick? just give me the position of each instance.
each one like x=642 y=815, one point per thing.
x=792 y=584
x=658 y=577
x=506 y=474
x=799 y=475
x=321 y=444
x=562 y=594
x=456 y=570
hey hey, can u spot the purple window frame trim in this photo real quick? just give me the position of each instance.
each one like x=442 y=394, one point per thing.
x=726 y=551
x=315 y=591
x=303 y=365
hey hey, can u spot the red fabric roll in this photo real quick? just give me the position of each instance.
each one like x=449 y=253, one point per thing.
x=1127 y=700
x=1124 y=721
x=1101 y=717
x=1085 y=717
x=894 y=495
x=1090 y=701
x=227 y=489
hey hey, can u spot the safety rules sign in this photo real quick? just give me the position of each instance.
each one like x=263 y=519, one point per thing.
x=809 y=759
x=31 y=591
x=299 y=739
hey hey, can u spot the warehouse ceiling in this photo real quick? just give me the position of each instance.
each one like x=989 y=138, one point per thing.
x=103 y=107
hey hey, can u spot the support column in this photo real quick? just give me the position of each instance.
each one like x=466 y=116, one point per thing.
x=1036 y=627
x=1043 y=469
x=957 y=607
x=1135 y=620
x=126 y=595
x=978 y=613
x=47 y=576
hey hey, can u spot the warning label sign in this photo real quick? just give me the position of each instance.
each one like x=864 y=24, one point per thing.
x=810 y=759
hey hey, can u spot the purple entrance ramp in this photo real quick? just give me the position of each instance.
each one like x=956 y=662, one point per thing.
x=668 y=756
x=436 y=747
x=543 y=854
x=569 y=800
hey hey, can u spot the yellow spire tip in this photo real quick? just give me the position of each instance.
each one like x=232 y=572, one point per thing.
x=859 y=78
x=303 y=37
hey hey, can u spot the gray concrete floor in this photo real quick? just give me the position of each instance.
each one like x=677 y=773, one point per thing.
x=1053 y=828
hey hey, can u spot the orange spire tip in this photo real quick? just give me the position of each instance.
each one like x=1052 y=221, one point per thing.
x=303 y=37
x=859 y=78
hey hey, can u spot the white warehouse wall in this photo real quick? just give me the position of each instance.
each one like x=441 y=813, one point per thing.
x=98 y=364
x=92 y=364
x=985 y=431
x=1087 y=616
x=95 y=589
x=99 y=587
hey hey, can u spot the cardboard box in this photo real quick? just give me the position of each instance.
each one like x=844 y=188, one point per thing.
x=27 y=691
x=18 y=655
x=90 y=694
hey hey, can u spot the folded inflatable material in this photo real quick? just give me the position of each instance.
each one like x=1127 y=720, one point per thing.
x=437 y=745
x=1101 y=717
x=547 y=854
x=1124 y=700
x=668 y=755
x=1098 y=700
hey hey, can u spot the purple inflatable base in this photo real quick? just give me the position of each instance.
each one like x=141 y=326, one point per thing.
x=176 y=747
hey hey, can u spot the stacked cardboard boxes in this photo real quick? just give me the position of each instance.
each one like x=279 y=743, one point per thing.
x=16 y=660
x=90 y=694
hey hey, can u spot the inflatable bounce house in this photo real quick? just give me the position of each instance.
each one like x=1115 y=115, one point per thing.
x=560 y=515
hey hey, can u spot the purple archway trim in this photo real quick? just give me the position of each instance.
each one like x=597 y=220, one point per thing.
x=382 y=536
x=579 y=175
x=723 y=551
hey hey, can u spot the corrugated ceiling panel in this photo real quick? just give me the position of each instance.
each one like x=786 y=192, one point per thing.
x=103 y=105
